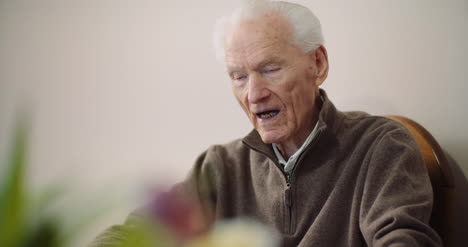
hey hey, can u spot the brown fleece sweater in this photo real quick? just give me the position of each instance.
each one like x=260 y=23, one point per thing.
x=361 y=181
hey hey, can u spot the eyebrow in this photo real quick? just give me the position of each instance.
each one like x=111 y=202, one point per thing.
x=233 y=69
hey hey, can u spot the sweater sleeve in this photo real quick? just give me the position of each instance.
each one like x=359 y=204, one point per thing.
x=203 y=180
x=199 y=185
x=397 y=194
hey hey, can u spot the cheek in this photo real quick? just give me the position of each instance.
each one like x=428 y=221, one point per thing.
x=292 y=105
x=297 y=101
x=287 y=100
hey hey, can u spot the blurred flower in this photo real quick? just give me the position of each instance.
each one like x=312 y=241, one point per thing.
x=172 y=219
x=175 y=219
x=241 y=232
x=180 y=213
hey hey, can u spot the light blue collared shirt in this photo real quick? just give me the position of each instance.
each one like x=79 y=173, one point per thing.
x=291 y=163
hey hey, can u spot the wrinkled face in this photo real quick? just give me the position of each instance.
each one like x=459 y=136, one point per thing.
x=275 y=83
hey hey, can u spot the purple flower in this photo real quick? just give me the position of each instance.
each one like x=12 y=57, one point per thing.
x=180 y=213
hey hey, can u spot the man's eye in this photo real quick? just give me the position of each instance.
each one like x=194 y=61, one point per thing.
x=271 y=70
x=239 y=77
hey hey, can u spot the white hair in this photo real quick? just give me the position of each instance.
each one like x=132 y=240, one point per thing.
x=305 y=26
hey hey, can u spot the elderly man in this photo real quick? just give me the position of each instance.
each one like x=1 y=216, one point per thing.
x=320 y=176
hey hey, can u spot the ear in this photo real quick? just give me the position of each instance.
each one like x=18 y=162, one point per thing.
x=319 y=60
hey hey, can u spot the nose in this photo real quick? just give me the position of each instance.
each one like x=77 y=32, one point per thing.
x=257 y=89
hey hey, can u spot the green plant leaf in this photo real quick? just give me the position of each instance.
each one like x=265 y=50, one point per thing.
x=85 y=217
x=12 y=193
x=45 y=234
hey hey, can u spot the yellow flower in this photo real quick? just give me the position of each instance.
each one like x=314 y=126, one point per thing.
x=238 y=233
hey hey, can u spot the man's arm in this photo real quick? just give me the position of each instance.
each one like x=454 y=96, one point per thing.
x=198 y=187
x=397 y=197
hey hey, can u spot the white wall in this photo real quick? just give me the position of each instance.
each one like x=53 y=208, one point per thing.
x=128 y=93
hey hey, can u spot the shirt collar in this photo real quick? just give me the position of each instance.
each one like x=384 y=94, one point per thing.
x=289 y=165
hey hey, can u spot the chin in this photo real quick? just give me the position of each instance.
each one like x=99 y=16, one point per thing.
x=270 y=136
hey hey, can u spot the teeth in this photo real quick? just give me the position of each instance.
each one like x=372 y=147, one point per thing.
x=268 y=114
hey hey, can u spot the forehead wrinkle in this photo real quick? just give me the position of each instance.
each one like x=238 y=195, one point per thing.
x=254 y=55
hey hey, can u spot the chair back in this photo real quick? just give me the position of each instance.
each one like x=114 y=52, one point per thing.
x=439 y=173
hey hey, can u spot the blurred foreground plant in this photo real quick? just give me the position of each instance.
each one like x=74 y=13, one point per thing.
x=13 y=229
x=174 y=219
x=30 y=219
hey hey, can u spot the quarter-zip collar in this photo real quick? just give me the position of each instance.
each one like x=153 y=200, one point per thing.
x=291 y=162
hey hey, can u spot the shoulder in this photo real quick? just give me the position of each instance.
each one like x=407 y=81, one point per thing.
x=228 y=151
x=375 y=130
x=228 y=148
x=217 y=157
x=388 y=146
x=359 y=119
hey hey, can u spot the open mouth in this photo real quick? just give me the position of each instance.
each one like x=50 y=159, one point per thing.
x=267 y=114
